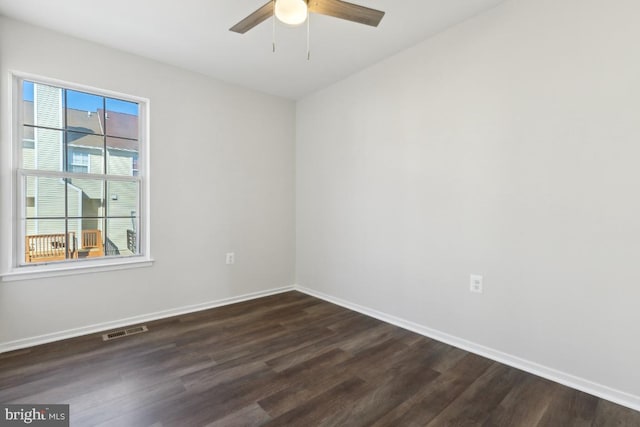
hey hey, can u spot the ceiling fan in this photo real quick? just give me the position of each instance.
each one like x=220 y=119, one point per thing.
x=295 y=12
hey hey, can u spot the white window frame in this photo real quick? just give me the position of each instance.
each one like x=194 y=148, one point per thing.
x=15 y=269
x=84 y=155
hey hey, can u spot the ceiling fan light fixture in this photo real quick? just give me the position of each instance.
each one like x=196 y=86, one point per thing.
x=291 y=12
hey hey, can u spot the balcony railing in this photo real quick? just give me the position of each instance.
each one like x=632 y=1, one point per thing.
x=132 y=241
x=53 y=247
x=49 y=247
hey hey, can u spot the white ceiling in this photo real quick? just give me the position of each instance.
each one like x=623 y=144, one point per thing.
x=194 y=34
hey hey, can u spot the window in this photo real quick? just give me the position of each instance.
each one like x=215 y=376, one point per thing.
x=80 y=178
x=79 y=162
x=134 y=165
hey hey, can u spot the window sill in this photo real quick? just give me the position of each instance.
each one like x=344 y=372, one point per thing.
x=68 y=269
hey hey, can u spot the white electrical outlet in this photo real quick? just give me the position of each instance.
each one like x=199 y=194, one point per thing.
x=231 y=258
x=475 y=283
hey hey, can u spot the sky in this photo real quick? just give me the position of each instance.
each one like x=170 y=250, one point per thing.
x=87 y=102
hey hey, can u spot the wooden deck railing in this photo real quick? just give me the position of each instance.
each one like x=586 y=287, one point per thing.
x=53 y=247
x=92 y=245
x=49 y=247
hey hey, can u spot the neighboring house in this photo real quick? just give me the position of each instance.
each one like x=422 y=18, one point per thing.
x=89 y=201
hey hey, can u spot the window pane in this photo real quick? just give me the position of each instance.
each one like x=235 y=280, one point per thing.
x=44 y=197
x=121 y=118
x=28 y=133
x=122 y=156
x=46 y=241
x=122 y=199
x=42 y=105
x=122 y=236
x=85 y=153
x=85 y=199
x=44 y=152
x=27 y=102
x=74 y=226
x=85 y=112
x=28 y=148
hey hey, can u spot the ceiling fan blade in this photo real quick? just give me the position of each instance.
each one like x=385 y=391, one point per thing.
x=254 y=19
x=348 y=11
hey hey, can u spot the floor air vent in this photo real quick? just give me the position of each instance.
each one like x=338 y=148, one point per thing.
x=124 y=332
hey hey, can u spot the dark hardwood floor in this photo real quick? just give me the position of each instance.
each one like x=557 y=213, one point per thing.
x=288 y=360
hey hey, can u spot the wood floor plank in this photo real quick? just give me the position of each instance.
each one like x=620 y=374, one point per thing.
x=288 y=360
x=308 y=380
x=537 y=392
x=310 y=348
x=384 y=395
x=609 y=414
x=323 y=409
x=482 y=397
x=250 y=416
x=427 y=403
x=127 y=403
x=570 y=408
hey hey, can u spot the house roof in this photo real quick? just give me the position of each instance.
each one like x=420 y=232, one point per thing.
x=88 y=128
x=120 y=124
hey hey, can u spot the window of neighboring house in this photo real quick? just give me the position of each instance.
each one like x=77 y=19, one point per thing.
x=79 y=162
x=79 y=185
x=134 y=165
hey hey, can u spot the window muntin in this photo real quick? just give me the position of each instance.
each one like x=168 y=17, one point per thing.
x=76 y=202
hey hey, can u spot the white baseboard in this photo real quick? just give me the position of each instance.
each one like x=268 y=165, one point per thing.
x=101 y=327
x=595 y=389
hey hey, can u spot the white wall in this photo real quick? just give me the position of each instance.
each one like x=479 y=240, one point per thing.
x=507 y=146
x=222 y=180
